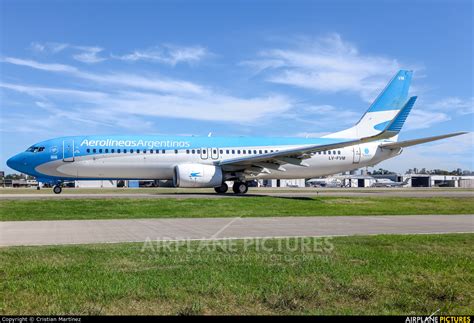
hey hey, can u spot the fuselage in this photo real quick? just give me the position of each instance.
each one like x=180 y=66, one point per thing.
x=155 y=157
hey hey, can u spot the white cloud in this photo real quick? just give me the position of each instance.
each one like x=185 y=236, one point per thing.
x=39 y=66
x=327 y=64
x=41 y=92
x=455 y=105
x=89 y=55
x=421 y=119
x=202 y=106
x=120 y=79
x=49 y=47
x=153 y=97
x=167 y=54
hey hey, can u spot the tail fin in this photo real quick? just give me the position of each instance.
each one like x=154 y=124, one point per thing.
x=382 y=111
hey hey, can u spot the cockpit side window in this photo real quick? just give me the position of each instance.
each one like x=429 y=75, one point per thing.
x=34 y=149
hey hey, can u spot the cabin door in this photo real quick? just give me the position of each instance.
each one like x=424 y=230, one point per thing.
x=356 y=159
x=68 y=150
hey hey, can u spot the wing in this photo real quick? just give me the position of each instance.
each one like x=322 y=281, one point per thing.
x=296 y=156
x=408 y=143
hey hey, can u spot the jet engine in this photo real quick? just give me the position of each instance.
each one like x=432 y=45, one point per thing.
x=197 y=175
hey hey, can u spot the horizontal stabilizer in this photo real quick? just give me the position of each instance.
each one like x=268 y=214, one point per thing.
x=408 y=143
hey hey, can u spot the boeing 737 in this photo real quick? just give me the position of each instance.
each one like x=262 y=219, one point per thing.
x=211 y=161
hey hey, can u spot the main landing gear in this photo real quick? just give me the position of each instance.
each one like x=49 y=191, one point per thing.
x=221 y=189
x=57 y=189
x=238 y=188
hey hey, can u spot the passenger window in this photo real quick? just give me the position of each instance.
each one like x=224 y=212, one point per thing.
x=94 y=150
x=254 y=151
x=221 y=151
x=324 y=152
x=233 y=152
x=238 y=152
x=260 y=151
x=176 y=151
x=131 y=151
x=227 y=151
x=187 y=151
x=112 y=151
x=338 y=152
x=329 y=152
x=88 y=150
x=106 y=150
x=118 y=150
x=163 y=151
x=125 y=151
x=266 y=151
x=193 y=151
x=243 y=151
x=214 y=151
x=271 y=150
x=138 y=151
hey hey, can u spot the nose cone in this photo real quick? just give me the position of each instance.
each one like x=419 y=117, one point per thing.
x=17 y=162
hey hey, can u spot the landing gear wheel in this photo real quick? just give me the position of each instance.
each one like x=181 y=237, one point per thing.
x=221 y=189
x=240 y=188
x=57 y=189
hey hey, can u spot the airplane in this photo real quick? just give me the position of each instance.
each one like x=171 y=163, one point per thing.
x=386 y=182
x=209 y=161
x=325 y=182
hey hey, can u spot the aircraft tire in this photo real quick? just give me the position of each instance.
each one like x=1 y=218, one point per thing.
x=240 y=188
x=221 y=189
x=57 y=189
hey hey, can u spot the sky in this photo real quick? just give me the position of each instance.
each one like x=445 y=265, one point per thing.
x=234 y=68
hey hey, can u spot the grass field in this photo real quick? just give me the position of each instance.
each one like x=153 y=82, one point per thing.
x=252 y=190
x=410 y=274
x=229 y=207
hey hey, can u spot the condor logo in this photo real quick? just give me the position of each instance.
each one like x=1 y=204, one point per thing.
x=195 y=175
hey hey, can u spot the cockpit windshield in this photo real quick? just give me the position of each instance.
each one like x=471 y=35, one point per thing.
x=35 y=149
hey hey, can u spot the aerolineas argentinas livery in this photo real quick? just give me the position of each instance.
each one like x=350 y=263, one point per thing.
x=211 y=161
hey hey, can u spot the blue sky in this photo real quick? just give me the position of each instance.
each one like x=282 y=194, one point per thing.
x=243 y=68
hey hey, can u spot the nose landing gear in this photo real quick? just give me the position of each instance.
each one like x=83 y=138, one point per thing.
x=57 y=189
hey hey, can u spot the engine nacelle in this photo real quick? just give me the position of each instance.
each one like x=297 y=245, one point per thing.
x=197 y=175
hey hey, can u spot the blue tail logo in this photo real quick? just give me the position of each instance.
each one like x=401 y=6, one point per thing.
x=195 y=174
